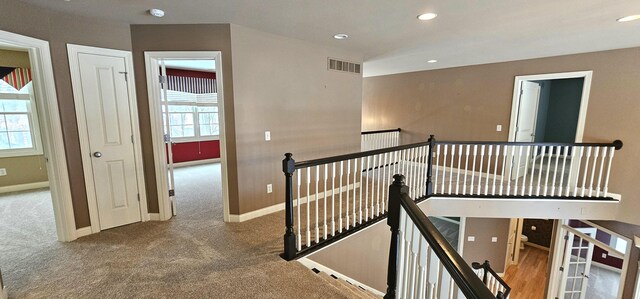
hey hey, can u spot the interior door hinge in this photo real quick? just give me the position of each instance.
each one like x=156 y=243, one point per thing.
x=172 y=192
x=138 y=196
x=131 y=138
x=125 y=76
x=561 y=268
x=566 y=238
x=162 y=79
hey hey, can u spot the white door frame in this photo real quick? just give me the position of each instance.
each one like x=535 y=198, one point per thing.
x=584 y=102
x=157 y=133
x=558 y=251
x=74 y=65
x=51 y=130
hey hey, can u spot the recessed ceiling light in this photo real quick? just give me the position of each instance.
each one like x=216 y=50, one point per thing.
x=427 y=16
x=159 y=13
x=340 y=36
x=629 y=18
x=432 y=61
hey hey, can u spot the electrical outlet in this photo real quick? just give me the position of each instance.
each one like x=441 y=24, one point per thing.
x=267 y=135
x=269 y=188
x=494 y=239
x=499 y=128
x=533 y=227
x=3 y=171
x=604 y=255
x=471 y=238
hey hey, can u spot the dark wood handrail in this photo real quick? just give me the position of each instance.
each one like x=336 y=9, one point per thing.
x=617 y=144
x=380 y=131
x=321 y=161
x=466 y=280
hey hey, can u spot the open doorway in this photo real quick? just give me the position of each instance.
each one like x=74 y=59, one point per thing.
x=186 y=103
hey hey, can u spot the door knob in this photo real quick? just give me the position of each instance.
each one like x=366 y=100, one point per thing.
x=97 y=154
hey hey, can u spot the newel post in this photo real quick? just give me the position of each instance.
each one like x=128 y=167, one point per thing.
x=432 y=141
x=393 y=220
x=288 y=167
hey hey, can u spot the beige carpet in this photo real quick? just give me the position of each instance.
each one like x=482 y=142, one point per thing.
x=194 y=255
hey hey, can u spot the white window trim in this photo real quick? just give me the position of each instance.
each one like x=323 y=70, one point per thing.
x=34 y=126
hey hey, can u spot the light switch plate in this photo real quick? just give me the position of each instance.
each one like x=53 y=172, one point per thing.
x=604 y=255
x=471 y=238
x=269 y=188
x=494 y=239
x=499 y=128
x=267 y=135
x=3 y=171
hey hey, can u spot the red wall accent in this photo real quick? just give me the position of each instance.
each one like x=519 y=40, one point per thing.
x=191 y=74
x=197 y=150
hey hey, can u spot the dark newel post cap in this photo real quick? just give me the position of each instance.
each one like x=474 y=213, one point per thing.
x=432 y=138
x=398 y=179
x=617 y=144
x=288 y=164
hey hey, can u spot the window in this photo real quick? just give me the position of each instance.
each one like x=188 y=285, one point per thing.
x=619 y=244
x=19 y=134
x=191 y=116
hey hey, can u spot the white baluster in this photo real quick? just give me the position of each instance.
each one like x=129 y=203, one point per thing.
x=495 y=170
x=488 y=173
x=384 y=180
x=401 y=252
x=515 y=185
x=555 y=171
x=361 y=187
x=444 y=166
x=564 y=162
x=373 y=187
x=378 y=183
x=298 y=203
x=326 y=174
x=533 y=168
x=505 y=151
x=593 y=170
x=316 y=202
x=308 y=170
x=366 y=190
x=473 y=167
x=544 y=149
x=458 y=173
x=480 y=172
x=340 y=198
x=577 y=176
x=347 y=216
x=435 y=165
x=526 y=169
x=546 y=181
x=585 y=174
x=466 y=169
x=513 y=152
x=605 y=190
x=333 y=199
x=451 y=167
x=355 y=183
x=604 y=157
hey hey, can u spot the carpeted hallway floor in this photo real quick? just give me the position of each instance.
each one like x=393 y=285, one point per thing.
x=194 y=255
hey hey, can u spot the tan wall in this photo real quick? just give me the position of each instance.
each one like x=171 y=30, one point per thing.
x=483 y=229
x=202 y=37
x=14 y=58
x=282 y=85
x=60 y=29
x=23 y=170
x=467 y=103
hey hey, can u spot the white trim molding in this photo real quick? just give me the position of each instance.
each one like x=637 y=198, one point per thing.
x=154 y=217
x=51 y=130
x=24 y=187
x=85 y=231
x=74 y=65
x=197 y=162
x=152 y=66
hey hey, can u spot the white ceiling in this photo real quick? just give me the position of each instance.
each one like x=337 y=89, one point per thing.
x=390 y=37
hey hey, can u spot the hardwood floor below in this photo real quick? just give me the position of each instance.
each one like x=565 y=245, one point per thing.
x=529 y=278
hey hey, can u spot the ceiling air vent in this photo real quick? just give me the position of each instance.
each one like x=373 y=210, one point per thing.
x=344 y=66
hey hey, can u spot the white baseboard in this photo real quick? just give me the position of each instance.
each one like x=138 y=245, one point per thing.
x=311 y=264
x=23 y=187
x=279 y=207
x=4 y=294
x=606 y=267
x=154 y=216
x=197 y=162
x=85 y=231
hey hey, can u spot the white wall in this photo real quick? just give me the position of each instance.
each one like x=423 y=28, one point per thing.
x=282 y=85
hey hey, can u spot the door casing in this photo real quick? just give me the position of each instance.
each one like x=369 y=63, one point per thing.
x=51 y=130
x=83 y=133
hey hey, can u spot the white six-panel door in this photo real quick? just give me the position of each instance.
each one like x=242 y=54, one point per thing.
x=106 y=104
x=526 y=125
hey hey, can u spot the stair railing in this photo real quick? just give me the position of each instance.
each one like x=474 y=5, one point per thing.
x=491 y=279
x=372 y=140
x=422 y=263
x=329 y=198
